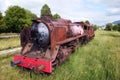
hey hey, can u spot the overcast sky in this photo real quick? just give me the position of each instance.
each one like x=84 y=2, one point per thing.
x=96 y=11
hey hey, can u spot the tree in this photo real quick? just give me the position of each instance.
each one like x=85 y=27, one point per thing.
x=56 y=16
x=109 y=26
x=1 y=21
x=29 y=17
x=87 y=22
x=115 y=27
x=95 y=27
x=2 y=24
x=15 y=18
x=119 y=27
x=45 y=11
x=1 y=17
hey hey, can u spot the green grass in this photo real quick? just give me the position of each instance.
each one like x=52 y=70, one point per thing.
x=98 y=60
x=9 y=43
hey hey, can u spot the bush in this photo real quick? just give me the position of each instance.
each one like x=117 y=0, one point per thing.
x=17 y=18
x=109 y=26
x=115 y=27
x=95 y=27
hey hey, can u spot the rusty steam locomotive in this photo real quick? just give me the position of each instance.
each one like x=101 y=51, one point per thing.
x=48 y=43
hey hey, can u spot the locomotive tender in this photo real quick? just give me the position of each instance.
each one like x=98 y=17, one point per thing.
x=47 y=43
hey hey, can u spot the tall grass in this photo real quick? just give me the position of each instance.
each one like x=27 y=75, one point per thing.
x=9 y=43
x=98 y=60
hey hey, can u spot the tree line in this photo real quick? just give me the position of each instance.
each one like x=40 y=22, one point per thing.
x=112 y=27
x=16 y=18
x=46 y=11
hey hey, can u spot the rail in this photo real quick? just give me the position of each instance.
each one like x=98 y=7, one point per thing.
x=11 y=36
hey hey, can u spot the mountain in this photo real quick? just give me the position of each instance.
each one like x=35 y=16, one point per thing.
x=116 y=22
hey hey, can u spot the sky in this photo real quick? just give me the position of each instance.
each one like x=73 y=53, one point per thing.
x=97 y=12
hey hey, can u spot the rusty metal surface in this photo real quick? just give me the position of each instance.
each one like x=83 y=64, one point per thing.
x=25 y=36
x=62 y=41
x=27 y=48
x=61 y=32
x=70 y=39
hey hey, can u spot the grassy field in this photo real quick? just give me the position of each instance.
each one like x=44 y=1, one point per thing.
x=9 y=43
x=98 y=60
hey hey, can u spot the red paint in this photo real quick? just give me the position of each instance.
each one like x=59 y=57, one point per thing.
x=32 y=62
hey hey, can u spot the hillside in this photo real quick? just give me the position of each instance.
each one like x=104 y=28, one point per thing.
x=98 y=60
x=116 y=22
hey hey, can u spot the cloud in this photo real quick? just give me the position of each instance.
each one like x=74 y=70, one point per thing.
x=112 y=6
x=3 y=5
x=113 y=11
x=96 y=11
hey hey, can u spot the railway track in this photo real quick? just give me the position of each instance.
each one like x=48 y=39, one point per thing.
x=9 y=50
x=11 y=36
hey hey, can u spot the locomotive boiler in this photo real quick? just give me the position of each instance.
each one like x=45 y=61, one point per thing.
x=47 y=43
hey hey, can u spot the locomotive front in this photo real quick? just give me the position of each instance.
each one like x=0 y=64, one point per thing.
x=35 y=46
x=40 y=35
